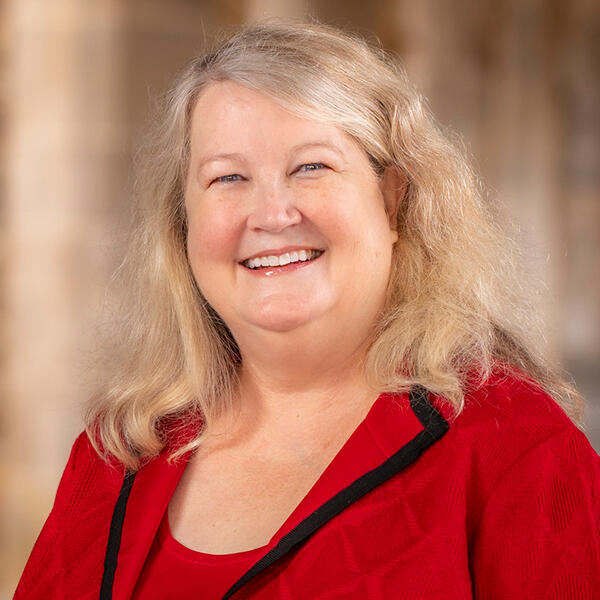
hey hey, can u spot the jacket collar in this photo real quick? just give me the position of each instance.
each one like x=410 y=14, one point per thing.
x=397 y=429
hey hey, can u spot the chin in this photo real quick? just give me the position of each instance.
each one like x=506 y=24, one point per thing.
x=281 y=323
x=282 y=320
x=284 y=314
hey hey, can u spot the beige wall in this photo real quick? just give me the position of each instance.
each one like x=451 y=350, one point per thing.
x=516 y=78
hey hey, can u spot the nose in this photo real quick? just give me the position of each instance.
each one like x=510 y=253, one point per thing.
x=273 y=208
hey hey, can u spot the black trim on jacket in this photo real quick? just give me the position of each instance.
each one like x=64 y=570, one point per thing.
x=114 y=538
x=435 y=426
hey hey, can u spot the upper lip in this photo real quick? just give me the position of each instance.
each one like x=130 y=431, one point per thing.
x=279 y=251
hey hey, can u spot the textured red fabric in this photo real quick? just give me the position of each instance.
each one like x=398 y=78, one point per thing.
x=172 y=569
x=506 y=505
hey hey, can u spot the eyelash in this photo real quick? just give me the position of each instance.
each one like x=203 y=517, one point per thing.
x=227 y=178
x=319 y=165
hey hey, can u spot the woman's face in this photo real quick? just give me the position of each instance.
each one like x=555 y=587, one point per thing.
x=287 y=223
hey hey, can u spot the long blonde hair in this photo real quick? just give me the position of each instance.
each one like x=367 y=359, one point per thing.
x=457 y=305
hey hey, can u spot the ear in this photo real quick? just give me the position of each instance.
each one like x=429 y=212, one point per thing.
x=393 y=189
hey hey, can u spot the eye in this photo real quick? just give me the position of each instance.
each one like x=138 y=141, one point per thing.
x=311 y=167
x=227 y=178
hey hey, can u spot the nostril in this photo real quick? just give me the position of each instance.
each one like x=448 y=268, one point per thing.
x=273 y=217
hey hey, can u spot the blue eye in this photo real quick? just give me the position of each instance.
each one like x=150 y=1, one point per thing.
x=312 y=167
x=228 y=178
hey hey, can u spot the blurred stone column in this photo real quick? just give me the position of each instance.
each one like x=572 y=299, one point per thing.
x=485 y=68
x=81 y=79
x=254 y=10
x=64 y=151
x=578 y=90
x=527 y=119
x=520 y=81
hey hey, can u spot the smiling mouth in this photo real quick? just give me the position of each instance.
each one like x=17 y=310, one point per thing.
x=297 y=256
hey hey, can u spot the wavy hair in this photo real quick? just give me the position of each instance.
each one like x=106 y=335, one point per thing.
x=457 y=309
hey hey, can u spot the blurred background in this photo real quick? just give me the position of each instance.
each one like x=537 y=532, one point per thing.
x=517 y=79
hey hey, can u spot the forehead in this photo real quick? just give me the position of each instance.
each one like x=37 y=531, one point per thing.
x=229 y=98
x=227 y=111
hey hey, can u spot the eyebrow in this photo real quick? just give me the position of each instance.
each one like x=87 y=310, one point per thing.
x=237 y=156
x=216 y=157
x=319 y=144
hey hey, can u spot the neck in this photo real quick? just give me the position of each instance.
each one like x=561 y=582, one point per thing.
x=294 y=390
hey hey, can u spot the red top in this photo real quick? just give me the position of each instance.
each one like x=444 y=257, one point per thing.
x=499 y=503
x=172 y=570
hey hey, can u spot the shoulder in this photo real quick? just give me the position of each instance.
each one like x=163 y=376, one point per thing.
x=507 y=407
x=76 y=531
x=508 y=423
x=533 y=488
x=87 y=482
x=84 y=457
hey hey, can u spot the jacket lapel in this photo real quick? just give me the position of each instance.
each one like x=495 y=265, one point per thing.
x=138 y=513
x=397 y=429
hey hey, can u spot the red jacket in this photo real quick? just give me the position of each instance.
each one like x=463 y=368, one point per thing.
x=501 y=503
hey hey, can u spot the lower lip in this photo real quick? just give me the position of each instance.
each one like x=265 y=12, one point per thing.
x=274 y=271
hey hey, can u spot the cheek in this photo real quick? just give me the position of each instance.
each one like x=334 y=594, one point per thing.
x=333 y=211
x=356 y=218
x=211 y=234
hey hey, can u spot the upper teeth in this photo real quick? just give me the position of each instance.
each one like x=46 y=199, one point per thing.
x=283 y=259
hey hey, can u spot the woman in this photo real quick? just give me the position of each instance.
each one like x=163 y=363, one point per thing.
x=327 y=386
